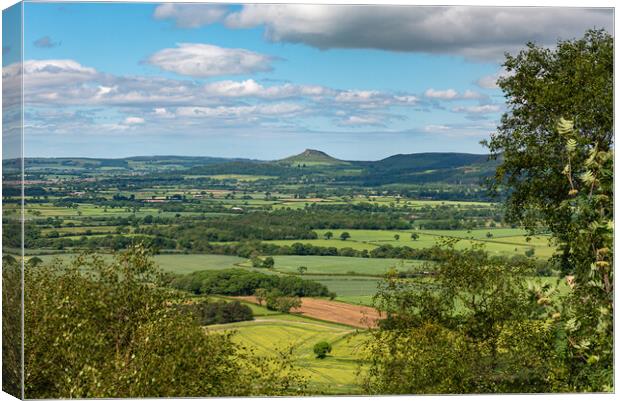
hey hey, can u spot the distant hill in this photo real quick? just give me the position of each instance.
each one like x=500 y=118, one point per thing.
x=428 y=161
x=132 y=163
x=311 y=157
x=418 y=168
x=415 y=168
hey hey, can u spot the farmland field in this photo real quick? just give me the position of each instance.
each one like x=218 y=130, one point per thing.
x=359 y=316
x=339 y=265
x=180 y=264
x=501 y=241
x=268 y=226
x=334 y=375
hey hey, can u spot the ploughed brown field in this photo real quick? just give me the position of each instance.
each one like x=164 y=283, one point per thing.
x=332 y=311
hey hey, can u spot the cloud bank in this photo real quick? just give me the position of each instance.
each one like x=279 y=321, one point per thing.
x=205 y=60
x=480 y=33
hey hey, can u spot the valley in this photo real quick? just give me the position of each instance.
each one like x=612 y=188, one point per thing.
x=341 y=225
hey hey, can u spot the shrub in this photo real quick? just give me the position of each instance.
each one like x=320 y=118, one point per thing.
x=321 y=349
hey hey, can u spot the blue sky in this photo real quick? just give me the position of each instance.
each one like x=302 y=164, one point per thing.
x=267 y=81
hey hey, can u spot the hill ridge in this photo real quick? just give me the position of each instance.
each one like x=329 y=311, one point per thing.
x=312 y=156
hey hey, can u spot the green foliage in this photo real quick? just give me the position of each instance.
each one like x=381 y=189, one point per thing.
x=556 y=145
x=589 y=317
x=261 y=295
x=276 y=300
x=268 y=262
x=477 y=328
x=245 y=282
x=256 y=261
x=345 y=236
x=217 y=312
x=11 y=326
x=96 y=329
x=321 y=349
x=575 y=80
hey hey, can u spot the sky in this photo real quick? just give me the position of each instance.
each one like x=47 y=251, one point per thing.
x=268 y=81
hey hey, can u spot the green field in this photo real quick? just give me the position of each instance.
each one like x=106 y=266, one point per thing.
x=336 y=374
x=180 y=264
x=88 y=210
x=241 y=177
x=340 y=265
x=352 y=290
x=336 y=243
x=505 y=241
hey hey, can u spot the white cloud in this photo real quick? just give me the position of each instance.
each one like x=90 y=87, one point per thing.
x=274 y=109
x=481 y=109
x=162 y=112
x=469 y=94
x=407 y=99
x=151 y=103
x=360 y=121
x=356 y=96
x=133 y=120
x=451 y=94
x=488 y=82
x=49 y=72
x=204 y=60
x=77 y=85
x=475 y=32
x=190 y=15
x=447 y=94
x=436 y=128
x=235 y=88
x=251 y=88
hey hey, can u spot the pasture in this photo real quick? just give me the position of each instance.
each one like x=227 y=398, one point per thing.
x=339 y=265
x=336 y=374
x=179 y=264
x=503 y=241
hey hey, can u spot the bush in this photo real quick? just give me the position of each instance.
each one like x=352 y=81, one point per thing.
x=244 y=282
x=281 y=303
x=321 y=349
x=110 y=331
x=220 y=312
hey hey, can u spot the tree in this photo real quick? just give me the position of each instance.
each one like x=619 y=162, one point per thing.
x=105 y=326
x=277 y=301
x=269 y=262
x=11 y=322
x=589 y=314
x=302 y=269
x=414 y=236
x=396 y=237
x=556 y=144
x=35 y=261
x=345 y=235
x=261 y=295
x=256 y=261
x=575 y=81
x=328 y=235
x=479 y=328
x=321 y=349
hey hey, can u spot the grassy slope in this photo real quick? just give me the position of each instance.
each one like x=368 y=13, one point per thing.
x=338 y=265
x=181 y=264
x=337 y=374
